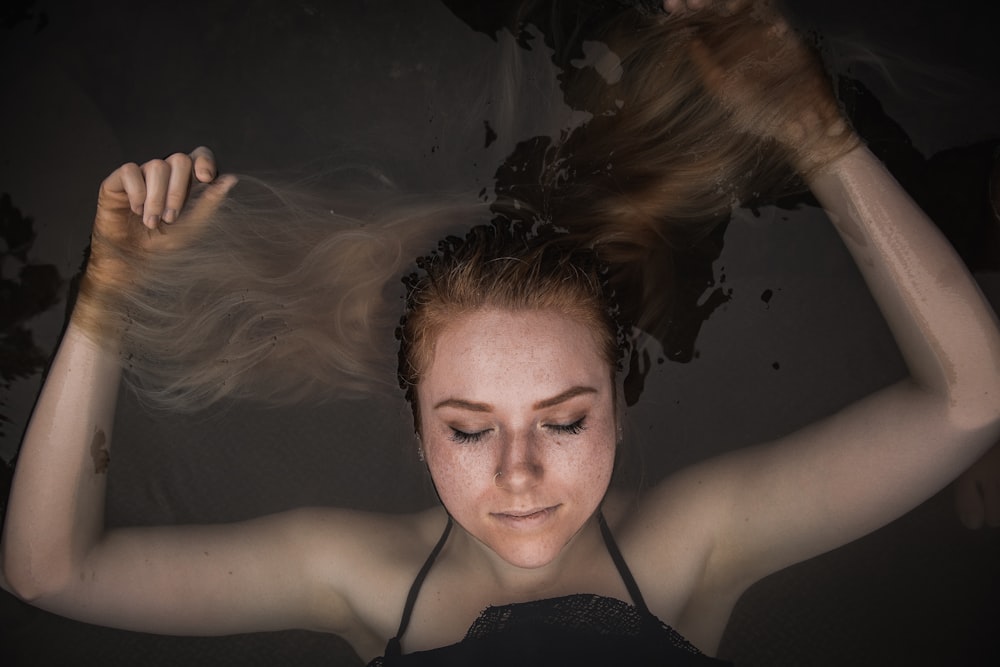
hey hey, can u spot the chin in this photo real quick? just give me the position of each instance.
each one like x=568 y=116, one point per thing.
x=527 y=559
x=527 y=553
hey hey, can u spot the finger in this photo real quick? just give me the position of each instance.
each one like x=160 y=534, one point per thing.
x=969 y=502
x=779 y=28
x=205 y=168
x=712 y=74
x=681 y=6
x=211 y=197
x=178 y=185
x=196 y=214
x=128 y=179
x=157 y=175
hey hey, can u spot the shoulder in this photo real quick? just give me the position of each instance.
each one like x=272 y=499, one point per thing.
x=668 y=539
x=674 y=514
x=360 y=564
x=371 y=542
x=668 y=533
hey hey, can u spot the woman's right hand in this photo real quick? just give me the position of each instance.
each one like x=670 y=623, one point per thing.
x=147 y=209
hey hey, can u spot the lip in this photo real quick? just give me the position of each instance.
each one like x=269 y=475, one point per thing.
x=526 y=518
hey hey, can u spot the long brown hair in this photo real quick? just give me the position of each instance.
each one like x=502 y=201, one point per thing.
x=280 y=299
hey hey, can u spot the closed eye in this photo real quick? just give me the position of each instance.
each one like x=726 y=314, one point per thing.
x=465 y=438
x=571 y=429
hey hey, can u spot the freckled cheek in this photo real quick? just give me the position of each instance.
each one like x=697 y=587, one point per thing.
x=594 y=467
x=459 y=474
x=586 y=464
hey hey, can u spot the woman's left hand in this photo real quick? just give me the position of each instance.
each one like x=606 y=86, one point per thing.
x=676 y=6
x=771 y=82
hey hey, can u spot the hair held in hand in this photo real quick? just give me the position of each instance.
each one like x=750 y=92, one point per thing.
x=285 y=296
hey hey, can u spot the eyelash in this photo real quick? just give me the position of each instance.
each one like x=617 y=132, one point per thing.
x=572 y=429
x=465 y=438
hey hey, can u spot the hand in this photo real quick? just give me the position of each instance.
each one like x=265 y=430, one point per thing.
x=771 y=82
x=977 y=492
x=143 y=209
x=681 y=6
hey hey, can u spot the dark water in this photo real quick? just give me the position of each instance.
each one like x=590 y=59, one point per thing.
x=776 y=327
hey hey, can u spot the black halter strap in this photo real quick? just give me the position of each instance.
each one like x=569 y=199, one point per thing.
x=393 y=647
x=622 y=566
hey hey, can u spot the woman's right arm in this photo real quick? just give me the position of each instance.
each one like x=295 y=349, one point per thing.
x=256 y=575
x=57 y=498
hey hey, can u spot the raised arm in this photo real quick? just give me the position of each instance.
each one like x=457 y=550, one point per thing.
x=782 y=502
x=866 y=465
x=257 y=575
x=57 y=499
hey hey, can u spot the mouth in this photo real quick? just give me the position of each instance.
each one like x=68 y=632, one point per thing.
x=526 y=517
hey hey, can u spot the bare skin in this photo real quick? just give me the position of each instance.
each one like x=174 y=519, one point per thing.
x=525 y=489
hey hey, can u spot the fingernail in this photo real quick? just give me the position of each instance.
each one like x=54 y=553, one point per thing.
x=152 y=221
x=205 y=175
x=169 y=215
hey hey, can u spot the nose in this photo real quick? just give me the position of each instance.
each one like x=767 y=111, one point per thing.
x=520 y=467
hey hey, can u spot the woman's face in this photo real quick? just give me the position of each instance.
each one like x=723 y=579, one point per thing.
x=518 y=425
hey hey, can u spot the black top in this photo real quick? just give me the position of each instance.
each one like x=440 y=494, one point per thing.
x=582 y=629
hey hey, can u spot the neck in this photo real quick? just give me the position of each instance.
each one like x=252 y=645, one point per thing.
x=512 y=583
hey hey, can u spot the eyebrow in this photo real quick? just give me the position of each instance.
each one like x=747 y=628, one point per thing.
x=562 y=397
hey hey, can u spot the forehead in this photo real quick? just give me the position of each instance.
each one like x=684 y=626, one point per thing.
x=533 y=354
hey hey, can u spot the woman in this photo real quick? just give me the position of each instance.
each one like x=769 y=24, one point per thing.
x=517 y=412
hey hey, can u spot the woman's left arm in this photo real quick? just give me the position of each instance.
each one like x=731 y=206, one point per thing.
x=838 y=479
x=945 y=330
x=782 y=502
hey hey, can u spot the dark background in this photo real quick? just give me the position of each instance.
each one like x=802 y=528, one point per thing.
x=306 y=86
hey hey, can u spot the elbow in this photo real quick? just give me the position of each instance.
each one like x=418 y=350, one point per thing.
x=978 y=415
x=22 y=586
x=21 y=576
x=30 y=589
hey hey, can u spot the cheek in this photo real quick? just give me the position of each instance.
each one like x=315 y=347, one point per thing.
x=582 y=466
x=458 y=473
x=592 y=468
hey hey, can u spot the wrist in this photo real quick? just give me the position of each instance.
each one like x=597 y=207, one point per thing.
x=838 y=167
x=97 y=312
x=812 y=157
